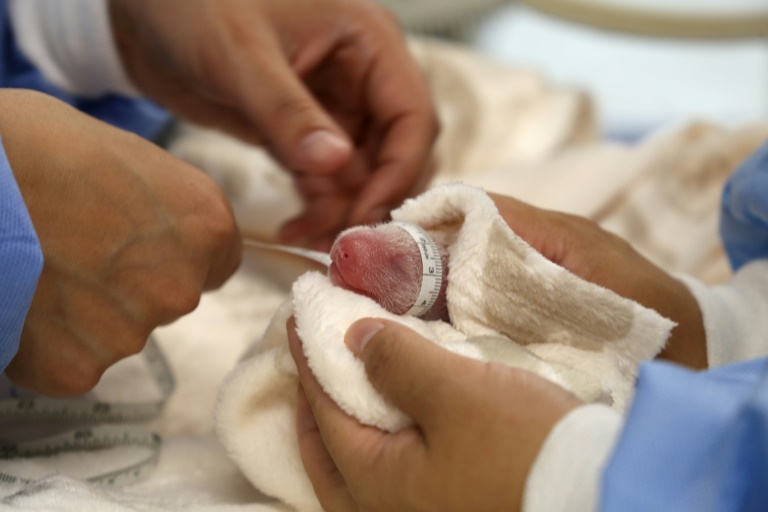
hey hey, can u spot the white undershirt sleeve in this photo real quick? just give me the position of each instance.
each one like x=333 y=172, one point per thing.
x=566 y=475
x=71 y=43
x=735 y=315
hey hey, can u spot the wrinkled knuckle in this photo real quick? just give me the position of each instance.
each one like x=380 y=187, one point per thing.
x=79 y=380
x=174 y=301
x=184 y=299
x=218 y=224
x=128 y=346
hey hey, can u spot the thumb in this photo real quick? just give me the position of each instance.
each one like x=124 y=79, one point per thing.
x=298 y=131
x=417 y=376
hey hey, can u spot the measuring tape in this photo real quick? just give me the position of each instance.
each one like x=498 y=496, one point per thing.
x=432 y=268
x=321 y=257
x=26 y=411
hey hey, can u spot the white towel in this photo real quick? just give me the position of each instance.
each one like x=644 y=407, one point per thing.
x=507 y=304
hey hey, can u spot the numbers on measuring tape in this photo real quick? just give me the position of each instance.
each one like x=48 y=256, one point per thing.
x=432 y=269
x=96 y=437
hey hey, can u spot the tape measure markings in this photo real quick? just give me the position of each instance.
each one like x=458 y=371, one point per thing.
x=432 y=268
x=91 y=438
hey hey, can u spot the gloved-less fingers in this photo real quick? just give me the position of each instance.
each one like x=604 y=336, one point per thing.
x=414 y=374
x=317 y=226
x=348 y=181
x=401 y=165
x=375 y=465
x=402 y=128
x=328 y=483
x=295 y=127
x=560 y=237
x=533 y=224
x=328 y=201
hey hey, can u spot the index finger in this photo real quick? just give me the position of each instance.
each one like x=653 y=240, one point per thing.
x=404 y=117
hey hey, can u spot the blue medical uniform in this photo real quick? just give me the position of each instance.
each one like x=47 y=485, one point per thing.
x=698 y=441
x=20 y=255
x=744 y=219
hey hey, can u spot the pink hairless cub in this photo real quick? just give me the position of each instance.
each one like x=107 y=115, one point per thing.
x=386 y=263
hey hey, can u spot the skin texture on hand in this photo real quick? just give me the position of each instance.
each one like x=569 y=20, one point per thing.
x=130 y=235
x=328 y=87
x=581 y=246
x=479 y=427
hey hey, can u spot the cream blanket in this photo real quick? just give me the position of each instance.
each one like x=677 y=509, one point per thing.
x=507 y=304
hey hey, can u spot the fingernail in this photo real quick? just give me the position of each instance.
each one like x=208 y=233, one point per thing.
x=360 y=333
x=324 y=147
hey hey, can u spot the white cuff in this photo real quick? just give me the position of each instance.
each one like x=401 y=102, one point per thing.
x=566 y=475
x=71 y=43
x=735 y=315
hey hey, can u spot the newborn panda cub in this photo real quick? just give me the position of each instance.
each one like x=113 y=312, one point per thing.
x=384 y=263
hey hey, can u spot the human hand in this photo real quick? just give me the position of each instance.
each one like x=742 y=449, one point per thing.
x=130 y=236
x=582 y=247
x=478 y=428
x=328 y=87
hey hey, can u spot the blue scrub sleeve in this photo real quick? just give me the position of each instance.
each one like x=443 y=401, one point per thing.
x=744 y=217
x=693 y=442
x=21 y=261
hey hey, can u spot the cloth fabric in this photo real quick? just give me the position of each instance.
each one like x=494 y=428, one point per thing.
x=21 y=262
x=574 y=455
x=744 y=219
x=735 y=315
x=577 y=334
x=20 y=71
x=71 y=43
x=701 y=450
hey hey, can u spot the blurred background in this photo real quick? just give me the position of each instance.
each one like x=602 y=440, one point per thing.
x=646 y=63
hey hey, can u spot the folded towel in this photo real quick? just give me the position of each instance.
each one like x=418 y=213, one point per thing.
x=507 y=304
